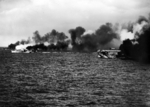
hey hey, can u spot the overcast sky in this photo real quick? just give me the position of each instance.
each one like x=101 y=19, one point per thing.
x=20 y=18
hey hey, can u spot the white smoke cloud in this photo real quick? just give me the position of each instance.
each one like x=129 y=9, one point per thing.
x=23 y=47
x=88 y=32
x=137 y=28
x=124 y=34
x=46 y=43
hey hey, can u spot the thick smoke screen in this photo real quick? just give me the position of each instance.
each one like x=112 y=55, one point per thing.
x=138 y=48
x=53 y=40
x=105 y=37
x=52 y=37
x=100 y=39
x=105 y=34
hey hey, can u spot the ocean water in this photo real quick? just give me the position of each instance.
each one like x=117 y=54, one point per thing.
x=72 y=80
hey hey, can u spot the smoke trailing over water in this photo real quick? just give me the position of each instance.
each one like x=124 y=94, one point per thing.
x=105 y=37
x=50 y=41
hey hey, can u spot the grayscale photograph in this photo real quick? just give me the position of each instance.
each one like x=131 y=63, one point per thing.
x=74 y=53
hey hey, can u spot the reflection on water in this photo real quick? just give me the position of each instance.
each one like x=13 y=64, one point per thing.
x=72 y=80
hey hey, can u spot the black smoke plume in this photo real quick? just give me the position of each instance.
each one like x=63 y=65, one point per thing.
x=12 y=46
x=91 y=42
x=60 y=46
x=105 y=34
x=52 y=37
x=138 y=48
x=76 y=38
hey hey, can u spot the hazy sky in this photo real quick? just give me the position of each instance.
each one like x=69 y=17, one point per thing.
x=20 y=18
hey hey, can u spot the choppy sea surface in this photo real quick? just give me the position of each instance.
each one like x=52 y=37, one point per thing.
x=72 y=80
